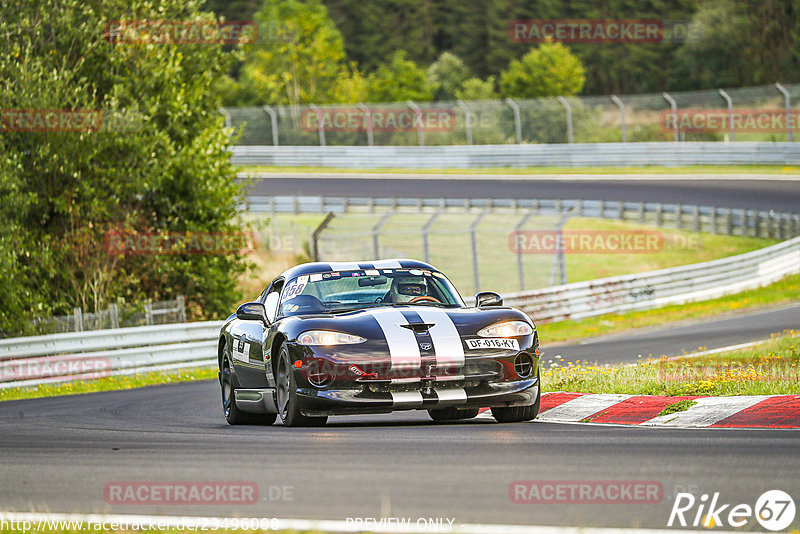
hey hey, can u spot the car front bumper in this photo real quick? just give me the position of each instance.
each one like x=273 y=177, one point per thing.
x=331 y=401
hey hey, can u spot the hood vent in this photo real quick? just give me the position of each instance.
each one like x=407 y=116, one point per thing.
x=418 y=328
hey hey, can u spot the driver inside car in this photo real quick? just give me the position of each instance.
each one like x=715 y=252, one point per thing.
x=406 y=288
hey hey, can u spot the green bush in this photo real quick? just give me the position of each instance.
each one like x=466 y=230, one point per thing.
x=157 y=161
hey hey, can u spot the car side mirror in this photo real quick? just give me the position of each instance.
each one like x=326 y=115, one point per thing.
x=252 y=311
x=488 y=298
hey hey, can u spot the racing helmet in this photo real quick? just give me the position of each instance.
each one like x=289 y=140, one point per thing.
x=405 y=288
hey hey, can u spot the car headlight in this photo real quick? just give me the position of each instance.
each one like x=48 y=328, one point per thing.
x=507 y=329
x=327 y=337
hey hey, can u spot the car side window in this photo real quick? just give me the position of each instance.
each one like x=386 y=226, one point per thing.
x=271 y=302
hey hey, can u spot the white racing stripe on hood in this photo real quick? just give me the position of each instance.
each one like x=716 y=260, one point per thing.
x=344 y=266
x=387 y=264
x=446 y=340
x=403 y=347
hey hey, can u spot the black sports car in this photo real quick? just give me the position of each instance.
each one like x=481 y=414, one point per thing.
x=374 y=337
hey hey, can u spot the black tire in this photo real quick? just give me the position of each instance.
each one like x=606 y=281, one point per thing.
x=518 y=414
x=228 y=384
x=288 y=407
x=452 y=413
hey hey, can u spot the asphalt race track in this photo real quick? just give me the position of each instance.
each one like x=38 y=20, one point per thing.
x=677 y=339
x=59 y=454
x=762 y=194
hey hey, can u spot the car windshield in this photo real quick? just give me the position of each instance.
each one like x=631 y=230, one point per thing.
x=348 y=290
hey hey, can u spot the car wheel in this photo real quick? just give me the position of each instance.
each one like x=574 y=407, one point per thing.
x=452 y=413
x=229 y=384
x=287 y=395
x=517 y=414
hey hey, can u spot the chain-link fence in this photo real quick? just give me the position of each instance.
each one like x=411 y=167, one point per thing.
x=764 y=113
x=472 y=248
x=544 y=243
x=115 y=316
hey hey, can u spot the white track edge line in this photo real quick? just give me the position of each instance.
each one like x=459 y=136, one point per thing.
x=324 y=524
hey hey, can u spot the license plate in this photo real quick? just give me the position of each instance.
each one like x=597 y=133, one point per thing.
x=493 y=343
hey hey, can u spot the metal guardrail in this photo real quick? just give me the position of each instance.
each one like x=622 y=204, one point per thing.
x=87 y=355
x=709 y=219
x=653 y=289
x=532 y=155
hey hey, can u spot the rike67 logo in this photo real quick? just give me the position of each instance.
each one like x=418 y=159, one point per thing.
x=774 y=510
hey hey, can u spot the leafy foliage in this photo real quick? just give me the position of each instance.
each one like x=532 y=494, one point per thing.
x=400 y=80
x=299 y=58
x=550 y=70
x=158 y=162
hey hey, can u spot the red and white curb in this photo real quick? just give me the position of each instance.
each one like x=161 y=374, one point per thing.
x=746 y=411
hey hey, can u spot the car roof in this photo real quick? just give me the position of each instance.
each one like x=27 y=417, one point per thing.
x=324 y=267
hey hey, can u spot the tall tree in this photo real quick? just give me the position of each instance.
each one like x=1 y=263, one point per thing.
x=302 y=61
x=155 y=158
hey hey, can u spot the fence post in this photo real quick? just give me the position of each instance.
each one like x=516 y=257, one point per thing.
x=148 y=313
x=728 y=222
x=520 y=266
x=114 y=312
x=787 y=103
x=181 y=309
x=273 y=119
x=517 y=121
x=227 y=117
x=77 y=313
x=368 y=117
x=426 y=228
x=728 y=99
x=418 y=121
x=641 y=212
x=674 y=107
x=713 y=220
x=474 y=239
x=659 y=214
x=320 y=126
x=757 y=223
x=315 y=235
x=467 y=119
x=696 y=215
x=568 y=108
x=621 y=106
x=744 y=218
x=559 y=259
x=376 y=232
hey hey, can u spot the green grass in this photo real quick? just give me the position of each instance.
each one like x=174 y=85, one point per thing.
x=691 y=169
x=781 y=292
x=111 y=383
x=770 y=368
x=675 y=407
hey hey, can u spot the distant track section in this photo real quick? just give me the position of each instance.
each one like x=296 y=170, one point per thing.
x=761 y=193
